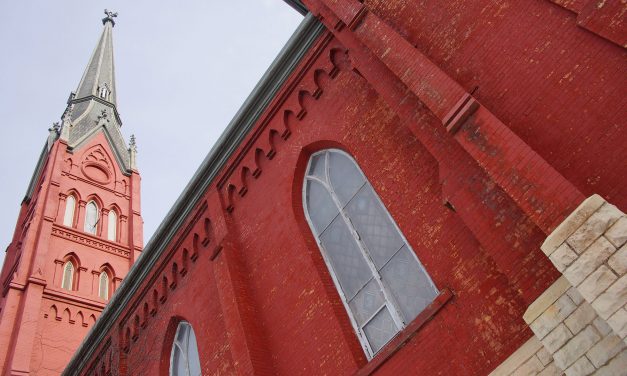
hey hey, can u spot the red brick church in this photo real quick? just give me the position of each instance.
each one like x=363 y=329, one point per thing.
x=413 y=188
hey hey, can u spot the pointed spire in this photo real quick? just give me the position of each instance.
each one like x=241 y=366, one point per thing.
x=92 y=107
x=99 y=77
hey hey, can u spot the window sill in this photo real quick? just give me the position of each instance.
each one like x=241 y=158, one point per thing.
x=406 y=334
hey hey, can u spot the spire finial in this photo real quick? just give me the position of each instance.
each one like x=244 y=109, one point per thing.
x=109 y=17
x=133 y=143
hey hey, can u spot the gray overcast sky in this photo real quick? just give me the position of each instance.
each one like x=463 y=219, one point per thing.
x=182 y=71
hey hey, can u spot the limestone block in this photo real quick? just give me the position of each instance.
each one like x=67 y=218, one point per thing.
x=544 y=356
x=594 y=227
x=551 y=370
x=618 y=261
x=518 y=358
x=602 y=326
x=548 y=297
x=529 y=368
x=563 y=257
x=572 y=223
x=612 y=299
x=618 y=322
x=553 y=316
x=616 y=366
x=576 y=347
x=617 y=234
x=594 y=256
x=579 y=319
x=582 y=367
x=557 y=338
x=605 y=350
x=575 y=295
x=597 y=282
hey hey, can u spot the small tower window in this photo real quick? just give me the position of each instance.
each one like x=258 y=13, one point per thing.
x=91 y=217
x=68 y=276
x=103 y=290
x=112 y=231
x=70 y=205
x=103 y=92
x=184 y=360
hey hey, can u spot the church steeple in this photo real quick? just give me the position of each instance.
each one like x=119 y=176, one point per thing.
x=79 y=229
x=93 y=106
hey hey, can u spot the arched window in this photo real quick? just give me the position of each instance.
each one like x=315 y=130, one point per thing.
x=377 y=274
x=184 y=360
x=112 y=226
x=91 y=217
x=70 y=205
x=68 y=275
x=103 y=285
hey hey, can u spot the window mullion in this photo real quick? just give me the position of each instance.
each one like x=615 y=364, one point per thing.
x=395 y=312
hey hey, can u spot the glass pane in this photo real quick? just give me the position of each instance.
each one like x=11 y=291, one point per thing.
x=347 y=260
x=380 y=330
x=345 y=177
x=68 y=218
x=192 y=355
x=104 y=285
x=367 y=302
x=316 y=168
x=320 y=206
x=409 y=283
x=181 y=334
x=91 y=218
x=68 y=270
x=178 y=362
x=374 y=226
x=112 y=226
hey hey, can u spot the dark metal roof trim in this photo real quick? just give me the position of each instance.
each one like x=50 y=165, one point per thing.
x=298 y=5
x=37 y=173
x=256 y=103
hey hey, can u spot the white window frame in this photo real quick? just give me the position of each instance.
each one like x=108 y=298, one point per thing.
x=390 y=301
x=72 y=271
x=112 y=229
x=182 y=349
x=104 y=277
x=68 y=216
x=86 y=228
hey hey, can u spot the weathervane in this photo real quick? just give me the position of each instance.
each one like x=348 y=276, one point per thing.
x=109 y=17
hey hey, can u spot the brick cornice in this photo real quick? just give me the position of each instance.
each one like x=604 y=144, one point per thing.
x=90 y=241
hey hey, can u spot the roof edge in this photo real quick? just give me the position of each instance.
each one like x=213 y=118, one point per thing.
x=41 y=161
x=281 y=68
x=298 y=5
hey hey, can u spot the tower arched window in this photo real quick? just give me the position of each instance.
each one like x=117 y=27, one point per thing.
x=103 y=285
x=91 y=217
x=70 y=206
x=184 y=360
x=104 y=91
x=68 y=276
x=112 y=228
x=379 y=278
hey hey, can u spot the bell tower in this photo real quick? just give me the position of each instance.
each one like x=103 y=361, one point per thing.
x=79 y=229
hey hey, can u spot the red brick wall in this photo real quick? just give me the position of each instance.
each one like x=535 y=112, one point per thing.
x=558 y=86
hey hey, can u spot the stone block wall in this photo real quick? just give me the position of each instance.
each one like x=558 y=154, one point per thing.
x=580 y=322
x=530 y=359
x=575 y=337
x=590 y=249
